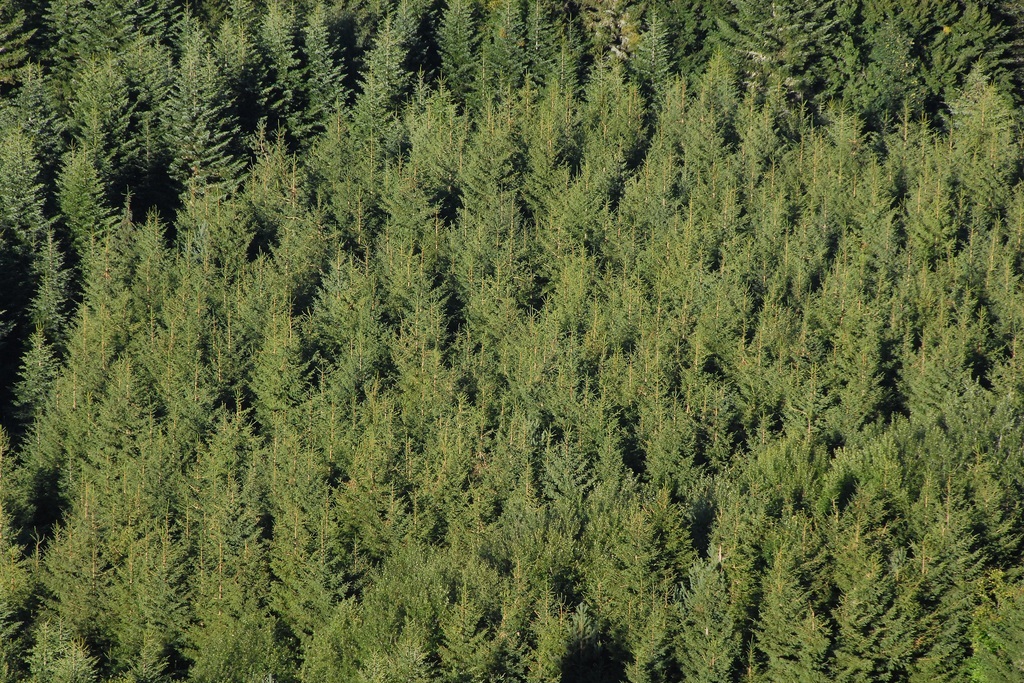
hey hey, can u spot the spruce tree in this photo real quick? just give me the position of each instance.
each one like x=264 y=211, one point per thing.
x=103 y=125
x=383 y=87
x=786 y=42
x=999 y=641
x=707 y=645
x=502 y=51
x=325 y=72
x=456 y=40
x=201 y=131
x=16 y=577
x=83 y=203
x=790 y=635
x=14 y=37
x=83 y=30
x=282 y=91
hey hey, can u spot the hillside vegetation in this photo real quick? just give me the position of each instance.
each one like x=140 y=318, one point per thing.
x=511 y=340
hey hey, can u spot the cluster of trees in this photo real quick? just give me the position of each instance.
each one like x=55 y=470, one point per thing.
x=517 y=340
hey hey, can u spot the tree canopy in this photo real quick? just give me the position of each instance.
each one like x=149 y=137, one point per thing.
x=448 y=340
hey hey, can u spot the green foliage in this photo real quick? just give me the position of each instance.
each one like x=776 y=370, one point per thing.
x=82 y=201
x=780 y=44
x=56 y=656
x=200 y=129
x=325 y=72
x=707 y=646
x=999 y=644
x=793 y=639
x=13 y=39
x=456 y=40
x=510 y=341
x=101 y=123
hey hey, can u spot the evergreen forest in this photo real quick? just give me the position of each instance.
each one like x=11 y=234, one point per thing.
x=511 y=340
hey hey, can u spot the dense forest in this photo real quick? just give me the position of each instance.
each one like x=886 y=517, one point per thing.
x=511 y=340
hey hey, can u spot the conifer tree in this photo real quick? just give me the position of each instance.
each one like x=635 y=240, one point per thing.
x=614 y=27
x=325 y=73
x=37 y=109
x=83 y=203
x=948 y=566
x=986 y=157
x=103 y=127
x=84 y=30
x=456 y=40
x=999 y=644
x=875 y=619
x=232 y=639
x=15 y=576
x=707 y=645
x=785 y=42
x=650 y=62
x=454 y=378
x=545 y=30
x=282 y=89
x=200 y=128
x=384 y=84
x=791 y=636
x=14 y=36
x=157 y=20
x=23 y=228
x=57 y=656
x=502 y=51
x=22 y=220
x=38 y=372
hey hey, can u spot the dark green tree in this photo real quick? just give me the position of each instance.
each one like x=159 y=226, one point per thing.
x=999 y=641
x=707 y=645
x=784 y=44
x=457 y=42
x=325 y=72
x=201 y=131
x=14 y=38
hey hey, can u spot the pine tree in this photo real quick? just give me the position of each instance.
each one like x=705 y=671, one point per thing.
x=793 y=639
x=48 y=310
x=201 y=131
x=22 y=220
x=14 y=37
x=999 y=641
x=877 y=57
x=83 y=203
x=545 y=29
x=785 y=42
x=457 y=43
x=707 y=646
x=240 y=66
x=346 y=330
x=325 y=73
